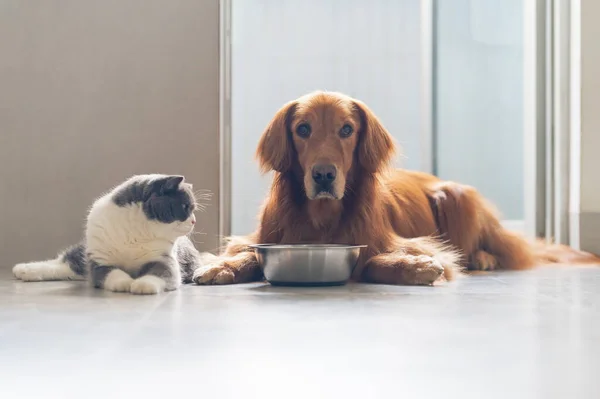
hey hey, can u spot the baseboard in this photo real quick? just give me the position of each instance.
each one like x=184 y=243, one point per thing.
x=589 y=232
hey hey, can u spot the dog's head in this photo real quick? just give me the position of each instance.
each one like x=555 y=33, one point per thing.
x=323 y=138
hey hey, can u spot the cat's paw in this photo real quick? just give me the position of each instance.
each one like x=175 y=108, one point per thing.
x=29 y=271
x=214 y=274
x=117 y=281
x=147 y=285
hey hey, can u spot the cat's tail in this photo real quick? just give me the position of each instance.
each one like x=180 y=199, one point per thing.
x=189 y=259
x=68 y=265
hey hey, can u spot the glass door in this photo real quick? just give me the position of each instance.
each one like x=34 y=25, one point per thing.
x=479 y=107
x=456 y=82
x=282 y=49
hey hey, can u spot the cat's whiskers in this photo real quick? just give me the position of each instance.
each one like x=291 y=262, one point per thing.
x=203 y=194
x=195 y=233
x=191 y=235
x=200 y=207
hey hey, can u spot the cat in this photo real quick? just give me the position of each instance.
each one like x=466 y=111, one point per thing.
x=135 y=239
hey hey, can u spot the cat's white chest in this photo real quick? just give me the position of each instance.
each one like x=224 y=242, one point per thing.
x=123 y=236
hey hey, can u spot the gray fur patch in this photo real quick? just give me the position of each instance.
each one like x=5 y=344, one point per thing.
x=99 y=272
x=162 y=269
x=76 y=258
x=188 y=258
x=163 y=199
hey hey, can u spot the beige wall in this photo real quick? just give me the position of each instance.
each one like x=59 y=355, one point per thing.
x=92 y=92
x=590 y=106
x=590 y=126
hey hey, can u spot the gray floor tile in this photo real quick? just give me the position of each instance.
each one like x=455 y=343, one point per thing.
x=533 y=334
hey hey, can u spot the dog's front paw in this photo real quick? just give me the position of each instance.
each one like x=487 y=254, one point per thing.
x=425 y=270
x=215 y=273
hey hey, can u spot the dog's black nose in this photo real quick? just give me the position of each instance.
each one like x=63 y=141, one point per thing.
x=324 y=174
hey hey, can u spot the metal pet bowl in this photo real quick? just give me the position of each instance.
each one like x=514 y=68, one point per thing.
x=307 y=264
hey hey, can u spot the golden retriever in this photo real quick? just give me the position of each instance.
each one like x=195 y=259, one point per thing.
x=333 y=183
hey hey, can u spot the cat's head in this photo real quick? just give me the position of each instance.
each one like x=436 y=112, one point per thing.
x=166 y=199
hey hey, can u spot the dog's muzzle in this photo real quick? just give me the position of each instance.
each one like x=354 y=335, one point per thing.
x=323 y=176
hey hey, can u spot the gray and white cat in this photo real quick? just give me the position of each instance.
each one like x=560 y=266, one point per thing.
x=135 y=240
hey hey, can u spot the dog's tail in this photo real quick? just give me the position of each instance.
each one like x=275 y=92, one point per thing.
x=70 y=264
x=550 y=253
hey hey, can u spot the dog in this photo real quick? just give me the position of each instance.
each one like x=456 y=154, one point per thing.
x=334 y=184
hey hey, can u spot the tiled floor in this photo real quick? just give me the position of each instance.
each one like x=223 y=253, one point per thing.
x=532 y=334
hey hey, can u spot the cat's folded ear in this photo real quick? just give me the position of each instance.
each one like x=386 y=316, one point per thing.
x=171 y=183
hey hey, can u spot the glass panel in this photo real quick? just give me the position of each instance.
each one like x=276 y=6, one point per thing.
x=479 y=98
x=282 y=49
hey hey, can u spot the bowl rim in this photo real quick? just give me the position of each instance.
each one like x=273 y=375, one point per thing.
x=306 y=246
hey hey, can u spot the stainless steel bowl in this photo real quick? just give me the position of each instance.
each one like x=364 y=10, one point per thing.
x=307 y=264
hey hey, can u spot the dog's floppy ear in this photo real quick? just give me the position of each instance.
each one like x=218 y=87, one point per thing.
x=275 y=148
x=376 y=146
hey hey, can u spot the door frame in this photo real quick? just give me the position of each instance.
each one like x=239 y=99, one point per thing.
x=225 y=189
x=536 y=122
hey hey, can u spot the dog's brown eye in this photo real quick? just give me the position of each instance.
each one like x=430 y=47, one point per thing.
x=303 y=130
x=346 y=131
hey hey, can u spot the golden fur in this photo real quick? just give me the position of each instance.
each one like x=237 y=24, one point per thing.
x=418 y=229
